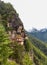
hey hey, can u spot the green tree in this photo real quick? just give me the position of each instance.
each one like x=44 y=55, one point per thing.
x=18 y=53
x=27 y=60
x=4 y=48
x=27 y=45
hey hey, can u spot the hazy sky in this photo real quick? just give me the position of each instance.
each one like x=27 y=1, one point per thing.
x=33 y=13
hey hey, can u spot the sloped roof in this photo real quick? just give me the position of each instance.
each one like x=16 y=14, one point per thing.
x=19 y=38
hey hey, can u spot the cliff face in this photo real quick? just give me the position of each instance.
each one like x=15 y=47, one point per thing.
x=16 y=32
x=12 y=22
x=9 y=15
x=15 y=28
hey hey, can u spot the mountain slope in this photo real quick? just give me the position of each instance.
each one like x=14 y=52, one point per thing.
x=39 y=57
x=40 y=34
x=12 y=52
x=39 y=50
x=39 y=44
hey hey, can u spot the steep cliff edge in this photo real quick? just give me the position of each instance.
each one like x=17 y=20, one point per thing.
x=12 y=23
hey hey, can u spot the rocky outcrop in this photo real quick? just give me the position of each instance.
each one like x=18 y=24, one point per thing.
x=12 y=22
